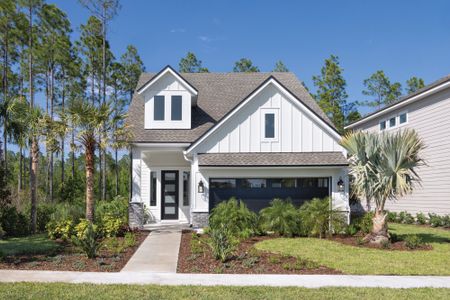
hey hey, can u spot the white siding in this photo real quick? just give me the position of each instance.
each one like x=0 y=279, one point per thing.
x=430 y=118
x=244 y=131
x=167 y=86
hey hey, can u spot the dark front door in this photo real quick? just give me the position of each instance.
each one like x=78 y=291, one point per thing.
x=169 y=195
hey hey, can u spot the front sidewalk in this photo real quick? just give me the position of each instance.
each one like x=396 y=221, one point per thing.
x=308 y=281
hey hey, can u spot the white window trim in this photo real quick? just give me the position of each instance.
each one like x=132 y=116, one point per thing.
x=168 y=123
x=276 y=112
x=397 y=121
x=407 y=118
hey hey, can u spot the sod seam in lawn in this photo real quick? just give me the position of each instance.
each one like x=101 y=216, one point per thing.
x=89 y=291
x=360 y=260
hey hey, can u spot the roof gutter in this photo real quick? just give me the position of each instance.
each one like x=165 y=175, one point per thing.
x=400 y=104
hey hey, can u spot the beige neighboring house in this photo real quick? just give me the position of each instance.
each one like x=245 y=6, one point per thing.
x=428 y=112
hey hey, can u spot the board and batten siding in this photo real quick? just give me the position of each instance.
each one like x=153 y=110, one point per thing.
x=430 y=117
x=297 y=132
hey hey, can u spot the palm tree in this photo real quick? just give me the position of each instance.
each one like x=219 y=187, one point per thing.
x=91 y=121
x=384 y=167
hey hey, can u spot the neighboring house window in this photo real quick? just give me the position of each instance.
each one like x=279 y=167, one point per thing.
x=403 y=118
x=152 y=188
x=176 y=108
x=392 y=122
x=382 y=125
x=269 y=131
x=158 y=113
x=186 y=176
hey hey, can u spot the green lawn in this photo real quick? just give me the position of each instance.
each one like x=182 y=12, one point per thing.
x=355 y=260
x=87 y=291
x=35 y=244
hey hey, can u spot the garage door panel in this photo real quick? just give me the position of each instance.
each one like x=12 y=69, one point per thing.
x=260 y=197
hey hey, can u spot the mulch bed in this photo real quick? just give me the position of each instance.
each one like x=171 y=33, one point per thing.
x=247 y=260
x=69 y=258
x=397 y=246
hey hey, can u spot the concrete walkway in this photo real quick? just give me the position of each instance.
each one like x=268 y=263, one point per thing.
x=309 y=281
x=158 y=253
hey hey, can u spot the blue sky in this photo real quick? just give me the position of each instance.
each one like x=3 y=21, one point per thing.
x=403 y=38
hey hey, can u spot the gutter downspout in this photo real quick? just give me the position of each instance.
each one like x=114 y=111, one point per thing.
x=191 y=161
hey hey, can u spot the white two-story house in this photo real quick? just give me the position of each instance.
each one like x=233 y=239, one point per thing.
x=202 y=138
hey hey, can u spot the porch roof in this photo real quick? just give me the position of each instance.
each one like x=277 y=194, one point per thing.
x=272 y=159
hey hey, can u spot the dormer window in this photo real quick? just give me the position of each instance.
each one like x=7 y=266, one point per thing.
x=169 y=99
x=159 y=110
x=176 y=108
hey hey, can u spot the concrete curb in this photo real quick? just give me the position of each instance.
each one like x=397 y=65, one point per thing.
x=308 y=281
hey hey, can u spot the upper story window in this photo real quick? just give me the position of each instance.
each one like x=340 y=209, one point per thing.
x=176 y=108
x=269 y=130
x=269 y=124
x=159 y=109
x=392 y=122
x=403 y=118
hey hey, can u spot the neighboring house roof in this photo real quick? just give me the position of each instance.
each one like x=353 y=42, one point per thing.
x=218 y=94
x=402 y=101
x=278 y=159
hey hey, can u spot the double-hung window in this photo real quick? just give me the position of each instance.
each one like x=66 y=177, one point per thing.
x=176 y=107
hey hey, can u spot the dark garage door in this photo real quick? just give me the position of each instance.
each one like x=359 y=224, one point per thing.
x=258 y=192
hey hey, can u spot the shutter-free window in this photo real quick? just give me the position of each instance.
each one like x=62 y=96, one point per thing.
x=176 y=113
x=158 y=112
x=152 y=188
x=269 y=120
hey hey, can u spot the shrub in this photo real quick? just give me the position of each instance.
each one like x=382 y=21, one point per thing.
x=435 y=220
x=68 y=211
x=2 y=232
x=446 y=221
x=114 y=245
x=60 y=229
x=352 y=229
x=90 y=242
x=112 y=226
x=44 y=212
x=317 y=219
x=222 y=242
x=13 y=222
x=235 y=216
x=421 y=218
x=130 y=239
x=366 y=222
x=280 y=217
x=392 y=216
x=113 y=216
x=81 y=228
x=413 y=241
x=405 y=218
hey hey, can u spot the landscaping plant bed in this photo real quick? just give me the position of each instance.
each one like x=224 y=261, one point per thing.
x=198 y=258
x=69 y=258
x=397 y=245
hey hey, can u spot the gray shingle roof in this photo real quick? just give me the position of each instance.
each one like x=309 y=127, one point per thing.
x=273 y=159
x=218 y=94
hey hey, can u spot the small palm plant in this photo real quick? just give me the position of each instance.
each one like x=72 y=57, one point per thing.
x=384 y=166
x=280 y=217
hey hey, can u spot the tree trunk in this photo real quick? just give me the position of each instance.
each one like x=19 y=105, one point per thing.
x=19 y=179
x=103 y=160
x=379 y=232
x=63 y=138
x=117 y=172
x=5 y=98
x=33 y=182
x=90 y=202
x=73 y=155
